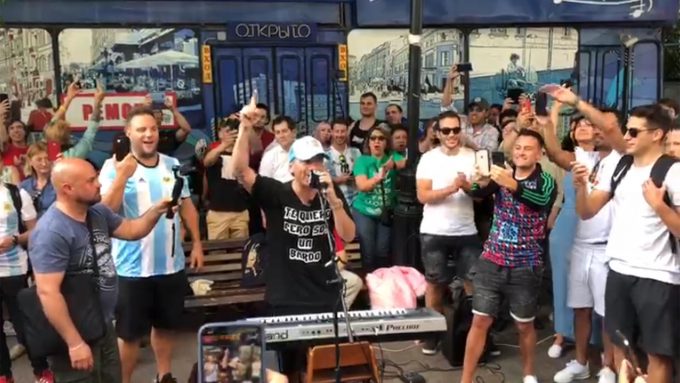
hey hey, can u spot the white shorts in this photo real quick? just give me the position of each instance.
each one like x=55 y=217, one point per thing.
x=588 y=271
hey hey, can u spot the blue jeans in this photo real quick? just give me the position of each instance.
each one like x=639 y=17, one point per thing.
x=374 y=239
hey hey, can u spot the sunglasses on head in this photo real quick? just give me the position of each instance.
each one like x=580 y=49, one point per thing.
x=377 y=138
x=633 y=132
x=448 y=131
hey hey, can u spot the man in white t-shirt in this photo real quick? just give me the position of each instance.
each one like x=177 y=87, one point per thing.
x=642 y=295
x=447 y=231
x=341 y=158
x=588 y=267
x=275 y=163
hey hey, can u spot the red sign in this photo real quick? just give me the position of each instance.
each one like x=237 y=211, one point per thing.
x=114 y=111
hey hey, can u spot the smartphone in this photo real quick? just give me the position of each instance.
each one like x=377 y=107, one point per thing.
x=498 y=159
x=525 y=106
x=231 y=352
x=514 y=94
x=483 y=162
x=541 y=104
x=53 y=150
x=630 y=353
x=121 y=147
x=157 y=101
x=3 y=97
x=464 y=67
x=567 y=83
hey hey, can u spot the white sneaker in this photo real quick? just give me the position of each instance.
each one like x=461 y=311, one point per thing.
x=529 y=379
x=606 y=375
x=573 y=371
x=555 y=351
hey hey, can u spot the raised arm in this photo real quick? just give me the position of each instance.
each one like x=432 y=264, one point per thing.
x=560 y=157
x=184 y=128
x=84 y=145
x=71 y=93
x=450 y=89
x=138 y=228
x=113 y=177
x=607 y=122
x=4 y=121
x=241 y=155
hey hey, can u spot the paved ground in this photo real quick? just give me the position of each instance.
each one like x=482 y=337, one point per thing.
x=506 y=368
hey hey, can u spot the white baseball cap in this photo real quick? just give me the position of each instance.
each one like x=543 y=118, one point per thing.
x=306 y=148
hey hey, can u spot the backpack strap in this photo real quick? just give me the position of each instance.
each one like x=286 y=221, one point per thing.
x=658 y=174
x=620 y=171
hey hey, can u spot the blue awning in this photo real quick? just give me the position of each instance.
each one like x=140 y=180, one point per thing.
x=485 y=13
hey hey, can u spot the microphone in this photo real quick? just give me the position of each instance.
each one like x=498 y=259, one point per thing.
x=176 y=191
x=332 y=261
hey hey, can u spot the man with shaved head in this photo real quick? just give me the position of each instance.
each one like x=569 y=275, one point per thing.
x=60 y=245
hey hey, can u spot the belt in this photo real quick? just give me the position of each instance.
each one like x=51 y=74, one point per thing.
x=598 y=243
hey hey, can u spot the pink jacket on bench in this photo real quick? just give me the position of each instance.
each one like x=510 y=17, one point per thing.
x=395 y=287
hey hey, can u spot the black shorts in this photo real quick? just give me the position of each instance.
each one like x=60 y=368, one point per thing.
x=645 y=311
x=447 y=256
x=148 y=302
x=519 y=285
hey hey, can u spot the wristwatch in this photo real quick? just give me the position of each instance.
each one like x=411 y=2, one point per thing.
x=15 y=240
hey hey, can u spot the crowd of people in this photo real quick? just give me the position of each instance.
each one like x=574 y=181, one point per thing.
x=552 y=206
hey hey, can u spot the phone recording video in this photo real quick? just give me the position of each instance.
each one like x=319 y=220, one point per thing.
x=464 y=67
x=483 y=162
x=53 y=150
x=157 y=101
x=231 y=352
x=514 y=94
x=541 y=104
x=498 y=158
x=121 y=147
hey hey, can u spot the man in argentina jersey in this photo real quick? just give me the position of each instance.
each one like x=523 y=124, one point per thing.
x=13 y=270
x=152 y=282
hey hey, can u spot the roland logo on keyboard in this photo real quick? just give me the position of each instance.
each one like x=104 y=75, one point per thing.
x=390 y=327
x=276 y=336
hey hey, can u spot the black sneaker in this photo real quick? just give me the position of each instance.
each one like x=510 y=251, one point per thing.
x=167 y=378
x=429 y=346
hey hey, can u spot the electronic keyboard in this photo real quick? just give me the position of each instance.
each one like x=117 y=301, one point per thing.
x=372 y=325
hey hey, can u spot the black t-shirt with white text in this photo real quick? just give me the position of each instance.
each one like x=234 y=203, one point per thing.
x=297 y=246
x=358 y=136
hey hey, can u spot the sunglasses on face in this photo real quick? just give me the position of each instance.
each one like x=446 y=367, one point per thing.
x=448 y=131
x=633 y=132
x=377 y=138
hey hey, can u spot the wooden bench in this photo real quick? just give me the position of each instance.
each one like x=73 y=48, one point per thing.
x=223 y=267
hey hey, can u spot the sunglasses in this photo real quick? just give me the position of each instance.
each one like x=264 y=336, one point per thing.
x=633 y=132
x=377 y=138
x=448 y=131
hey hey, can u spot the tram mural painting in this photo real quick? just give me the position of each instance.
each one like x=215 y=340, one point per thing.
x=502 y=59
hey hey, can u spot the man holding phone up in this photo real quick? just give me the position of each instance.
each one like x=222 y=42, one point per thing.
x=152 y=281
x=511 y=264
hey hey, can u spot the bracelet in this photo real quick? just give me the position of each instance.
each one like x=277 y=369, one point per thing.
x=71 y=349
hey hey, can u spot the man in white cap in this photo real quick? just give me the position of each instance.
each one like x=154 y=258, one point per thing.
x=301 y=216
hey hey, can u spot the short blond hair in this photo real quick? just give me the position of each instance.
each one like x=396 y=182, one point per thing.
x=59 y=131
x=33 y=150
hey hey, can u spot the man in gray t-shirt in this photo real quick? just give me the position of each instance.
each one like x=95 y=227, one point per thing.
x=60 y=245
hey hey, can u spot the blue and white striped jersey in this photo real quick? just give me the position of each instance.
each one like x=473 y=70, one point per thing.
x=14 y=262
x=153 y=254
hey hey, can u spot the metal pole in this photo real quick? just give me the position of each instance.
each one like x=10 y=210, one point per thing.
x=408 y=212
x=414 y=66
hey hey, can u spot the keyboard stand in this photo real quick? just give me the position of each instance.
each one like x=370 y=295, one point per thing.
x=357 y=362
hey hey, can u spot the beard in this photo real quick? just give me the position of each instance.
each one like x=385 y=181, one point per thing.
x=90 y=201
